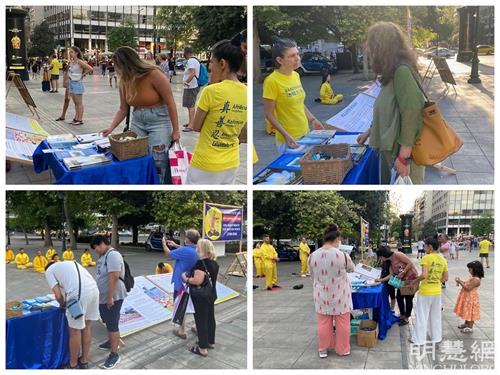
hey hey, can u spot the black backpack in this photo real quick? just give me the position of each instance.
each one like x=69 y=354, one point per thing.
x=128 y=279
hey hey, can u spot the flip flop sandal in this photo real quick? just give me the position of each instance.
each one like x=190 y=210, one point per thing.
x=185 y=125
x=187 y=130
x=209 y=346
x=184 y=336
x=467 y=330
x=196 y=350
x=76 y=123
x=60 y=119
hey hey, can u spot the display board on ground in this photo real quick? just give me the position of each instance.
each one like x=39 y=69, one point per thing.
x=22 y=136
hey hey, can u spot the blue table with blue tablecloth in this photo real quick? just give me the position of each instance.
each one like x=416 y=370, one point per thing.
x=38 y=340
x=137 y=171
x=376 y=298
x=364 y=172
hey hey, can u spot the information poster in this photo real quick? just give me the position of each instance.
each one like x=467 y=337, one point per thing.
x=222 y=223
x=22 y=136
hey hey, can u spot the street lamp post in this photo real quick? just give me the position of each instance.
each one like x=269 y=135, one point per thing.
x=8 y=229
x=63 y=199
x=474 y=72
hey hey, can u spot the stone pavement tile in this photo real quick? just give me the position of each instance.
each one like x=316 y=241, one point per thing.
x=389 y=360
x=310 y=359
x=284 y=340
x=278 y=358
x=476 y=179
x=436 y=176
x=478 y=125
x=470 y=146
x=471 y=165
x=457 y=124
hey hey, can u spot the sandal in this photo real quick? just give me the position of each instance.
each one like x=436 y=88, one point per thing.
x=462 y=326
x=187 y=130
x=210 y=346
x=467 y=330
x=196 y=350
x=183 y=336
x=60 y=118
x=74 y=122
x=194 y=330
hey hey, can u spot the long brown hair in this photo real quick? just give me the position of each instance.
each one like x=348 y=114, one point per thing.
x=130 y=68
x=388 y=47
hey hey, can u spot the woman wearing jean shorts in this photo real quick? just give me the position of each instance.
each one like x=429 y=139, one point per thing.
x=145 y=87
x=77 y=70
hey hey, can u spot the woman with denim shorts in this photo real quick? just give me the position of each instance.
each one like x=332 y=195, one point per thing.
x=77 y=70
x=145 y=87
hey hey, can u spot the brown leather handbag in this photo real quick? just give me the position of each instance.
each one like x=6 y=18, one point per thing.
x=437 y=140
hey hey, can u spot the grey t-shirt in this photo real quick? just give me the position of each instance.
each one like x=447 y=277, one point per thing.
x=111 y=261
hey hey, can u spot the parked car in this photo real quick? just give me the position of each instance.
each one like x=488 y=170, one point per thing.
x=287 y=252
x=180 y=64
x=439 y=52
x=486 y=49
x=316 y=63
x=154 y=241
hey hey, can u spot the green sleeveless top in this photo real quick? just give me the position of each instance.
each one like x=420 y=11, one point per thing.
x=397 y=114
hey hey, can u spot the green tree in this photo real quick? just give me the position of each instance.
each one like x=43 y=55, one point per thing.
x=395 y=228
x=315 y=210
x=274 y=213
x=175 y=23
x=422 y=37
x=215 y=23
x=142 y=213
x=123 y=35
x=42 y=41
x=482 y=226
x=429 y=229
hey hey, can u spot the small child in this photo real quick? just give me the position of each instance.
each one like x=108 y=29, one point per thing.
x=468 y=306
x=326 y=94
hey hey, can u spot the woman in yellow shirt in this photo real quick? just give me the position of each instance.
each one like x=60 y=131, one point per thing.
x=68 y=254
x=163 y=268
x=304 y=252
x=428 y=310
x=284 y=97
x=326 y=94
x=39 y=262
x=23 y=260
x=50 y=253
x=9 y=255
x=86 y=259
x=221 y=114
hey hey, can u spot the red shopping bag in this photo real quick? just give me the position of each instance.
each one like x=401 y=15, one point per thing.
x=178 y=159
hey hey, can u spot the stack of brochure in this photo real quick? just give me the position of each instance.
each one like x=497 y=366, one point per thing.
x=76 y=162
x=61 y=141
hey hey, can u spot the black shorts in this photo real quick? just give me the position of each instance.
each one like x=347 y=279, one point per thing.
x=111 y=317
x=54 y=76
x=483 y=255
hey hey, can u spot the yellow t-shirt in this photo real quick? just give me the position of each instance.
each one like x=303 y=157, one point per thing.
x=325 y=92
x=436 y=265
x=218 y=146
x=56 y=65
x=484 y=246
x=289 y=96
x=304 y=249
x=167 y=267
x=22 y=258
x=68 y=255
x=50 y=252
x=86 y=258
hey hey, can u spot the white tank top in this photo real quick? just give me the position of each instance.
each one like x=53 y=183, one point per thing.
x=75 y=72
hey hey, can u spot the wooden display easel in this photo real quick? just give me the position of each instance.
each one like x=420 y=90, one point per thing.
x=16 y=80
x=237 y=268
x=439 y=64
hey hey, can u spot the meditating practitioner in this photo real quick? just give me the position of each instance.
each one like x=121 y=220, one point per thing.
x=86 y=259
x=23 y=260
x=39 y=262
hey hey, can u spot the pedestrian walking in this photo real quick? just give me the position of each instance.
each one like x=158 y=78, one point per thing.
x=468 y=306
x=111 y=73
x=484 y=249
x=164 y=64
x=171 y=68
x=420 y=249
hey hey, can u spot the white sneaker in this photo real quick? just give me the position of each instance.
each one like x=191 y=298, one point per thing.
x=323 y=354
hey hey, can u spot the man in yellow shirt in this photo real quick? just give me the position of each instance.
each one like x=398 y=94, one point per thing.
x=50 y=253
x=55 y=66
x=428 y=310
x=258 y=261
x=39 y=262
x=163 y=267
x=23 y=260
x=484 y=249
x=270 y=257
x=304 y=252
x=9 y=255
x=68 y=254
x=86 y=259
